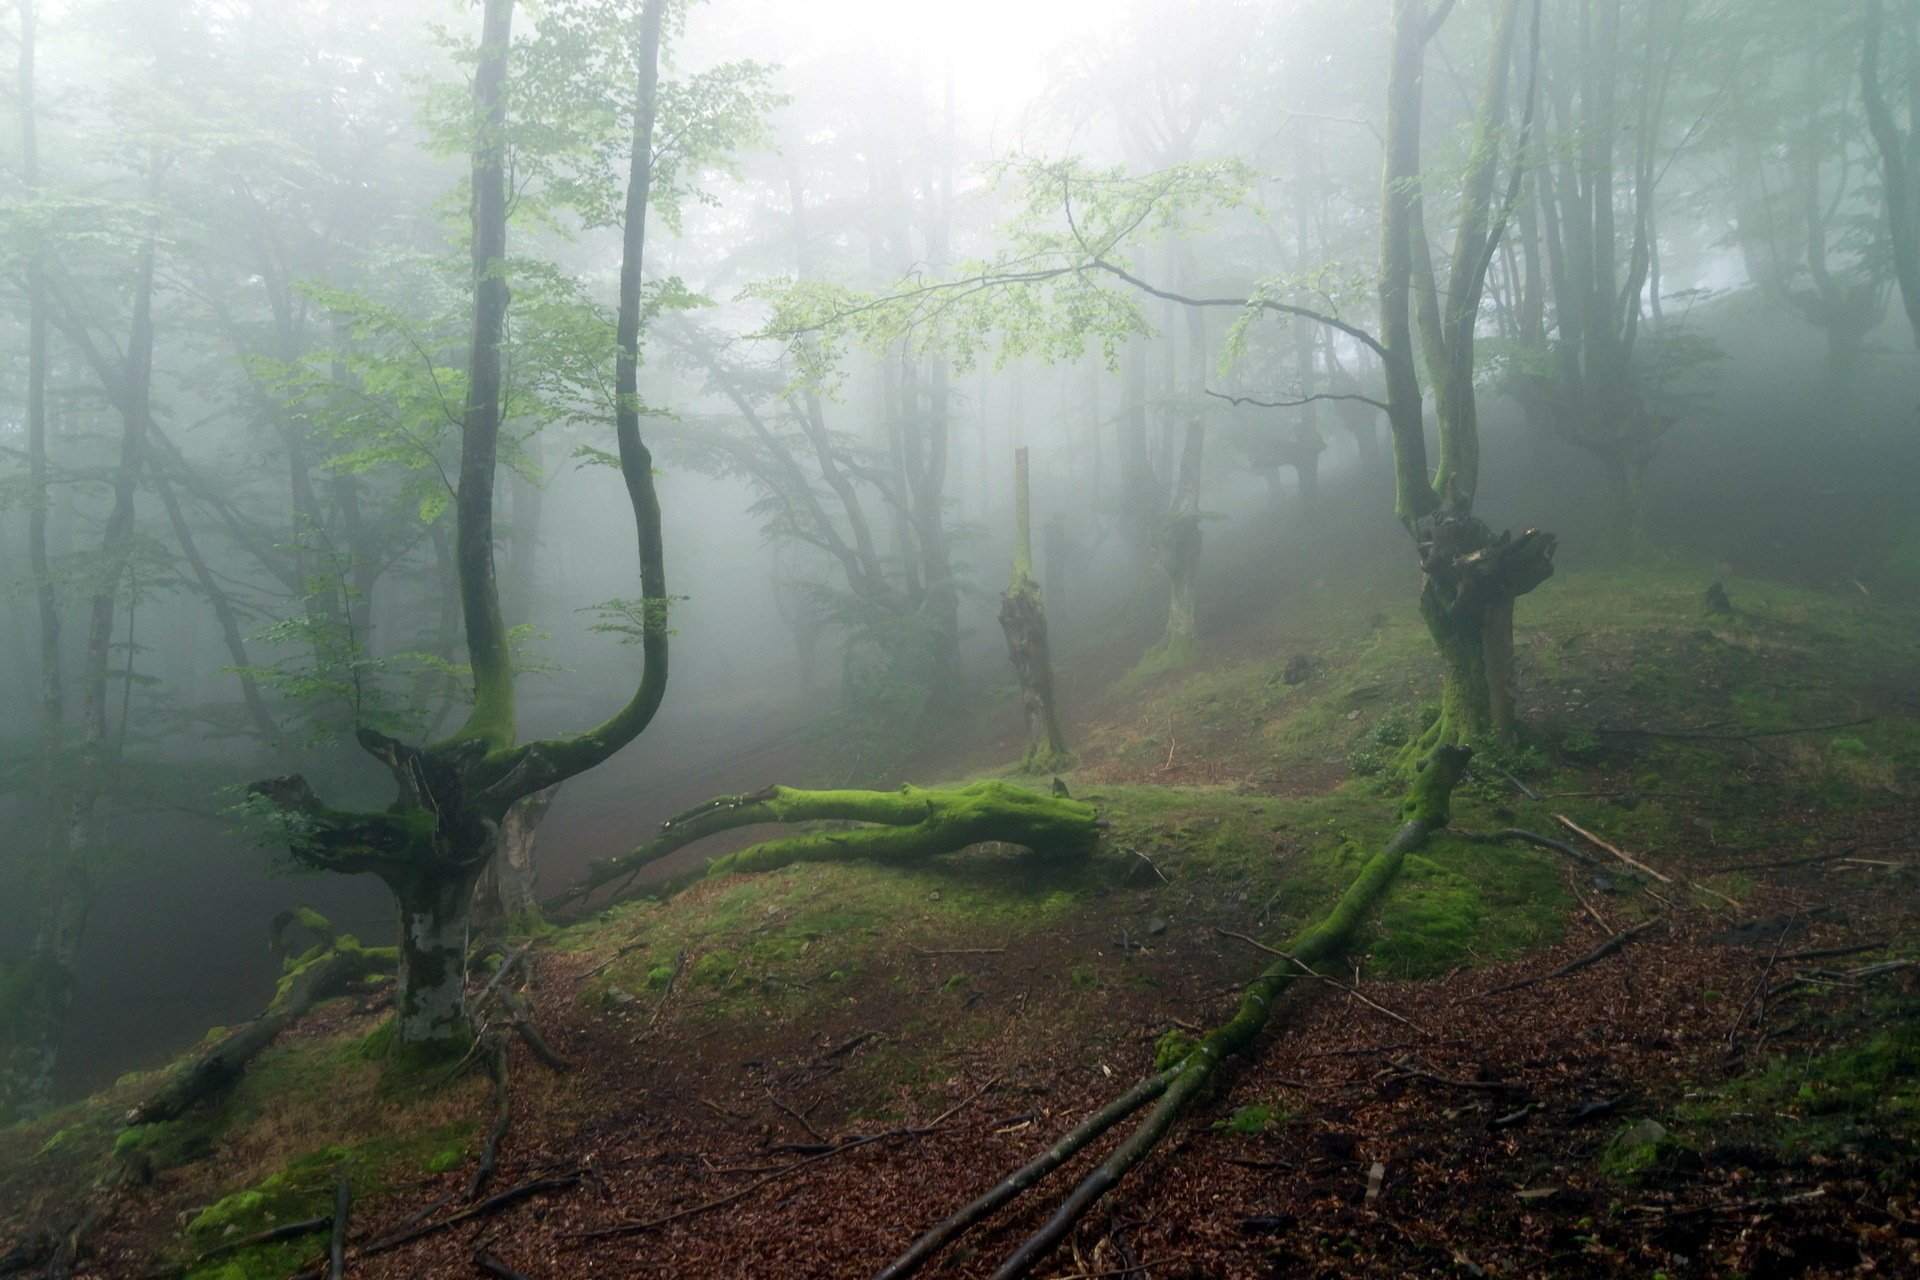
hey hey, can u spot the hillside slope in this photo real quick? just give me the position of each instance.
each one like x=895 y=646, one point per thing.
x=1732 y=1091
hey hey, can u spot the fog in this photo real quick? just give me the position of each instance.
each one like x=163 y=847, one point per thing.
x=889 y=245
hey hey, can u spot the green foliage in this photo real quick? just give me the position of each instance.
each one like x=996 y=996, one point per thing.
x=1049 y=293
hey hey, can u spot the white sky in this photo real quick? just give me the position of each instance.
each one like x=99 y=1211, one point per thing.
x=998 y=48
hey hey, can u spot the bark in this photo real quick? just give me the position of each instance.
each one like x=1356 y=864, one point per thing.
x=907 y=825
x=1472 y=579
x=506 y=898
x=1023 y=619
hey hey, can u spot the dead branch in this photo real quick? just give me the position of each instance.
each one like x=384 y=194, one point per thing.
x=1528 y=837
x=496 y=1268
x=1405 y=1067
x=1601 y=952
x=1695 y=735
x=1311 y=972
x=841 y=1148
x=491 y=1205
x=1591 y=838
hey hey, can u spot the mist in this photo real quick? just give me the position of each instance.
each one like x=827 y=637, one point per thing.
x=792 y=571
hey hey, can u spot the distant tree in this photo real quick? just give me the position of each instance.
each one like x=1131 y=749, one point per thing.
x=1899 y=147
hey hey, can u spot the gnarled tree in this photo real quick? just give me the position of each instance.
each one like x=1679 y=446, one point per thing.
x=433 y=842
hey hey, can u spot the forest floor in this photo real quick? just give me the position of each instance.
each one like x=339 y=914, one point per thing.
x=793 y=1074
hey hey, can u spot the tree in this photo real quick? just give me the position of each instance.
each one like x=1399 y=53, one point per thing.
x=1471 y=576
x=1899 y=150
x=1023 y=619
x=432 y=844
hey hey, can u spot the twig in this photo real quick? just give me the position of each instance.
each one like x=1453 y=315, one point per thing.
x=1701 y=736
x=272 y=1235
x=962 y=951
x=1151 y=863
x=1529 y=837
x=496 y=1268
x=1827 y=953
x=1760 y=984
x=611 y=960
x=800 y=1118
x=851 y=1144
x=1777 y=863
x=1406 y=1068
x=1601 y=952
x=492 y=1204
x=1310 y=971
x=1631 y=861
x=1520 y=786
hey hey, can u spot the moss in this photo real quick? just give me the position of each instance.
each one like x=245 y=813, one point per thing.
x=715 y=969
x=1171 y=1048
x=1645 y=1151
x=1252 y=1121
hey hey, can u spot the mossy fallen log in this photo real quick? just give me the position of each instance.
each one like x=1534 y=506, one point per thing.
x=334 y=963
x=1184 y=1065
x=904 y=826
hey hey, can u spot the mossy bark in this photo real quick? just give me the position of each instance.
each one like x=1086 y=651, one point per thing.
x=1023 y=620
x=909 y=825
x=1472 y=579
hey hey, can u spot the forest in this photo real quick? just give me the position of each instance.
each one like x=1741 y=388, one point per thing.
x=1162 y=640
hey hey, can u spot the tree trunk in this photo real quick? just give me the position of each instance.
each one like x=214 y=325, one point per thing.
x=430 y=1001
x=505 y=898
x=1023 y=618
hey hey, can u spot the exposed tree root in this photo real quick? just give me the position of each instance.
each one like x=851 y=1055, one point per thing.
x=1180 y=1082
x=909 y=825
x=1528 y=837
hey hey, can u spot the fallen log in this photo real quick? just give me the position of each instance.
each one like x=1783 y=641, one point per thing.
x=907 y=825
x=1194 y=1063
x=334 y=964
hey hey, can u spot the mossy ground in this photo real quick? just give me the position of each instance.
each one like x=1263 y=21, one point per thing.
x=1242 y=790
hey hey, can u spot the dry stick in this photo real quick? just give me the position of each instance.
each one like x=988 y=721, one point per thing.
x=496 y=1268
x=1827 y=953
x=1848 y=976
x=1601 y=952
x=1406 y=1068
x=612 y=960
x=799 y=1117
x=1696 y=736
x=851 y=1144
x=337 y=1243
x=962 y=951
x=1631 y=861
x=1427 y=811
x=1315 y=973
x=1777 y=863
x=492 y=1204
x=1519 y=786
x=1069 y=1145
x=1773 y=958
x=503 y=1116
x=1529 y=837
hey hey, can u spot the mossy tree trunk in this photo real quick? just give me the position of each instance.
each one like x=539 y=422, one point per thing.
x=1023 y=619
x=1471 y=577
x=1472 y=580
x=908 y=825
x=432 y=844
x=1185 y=1064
